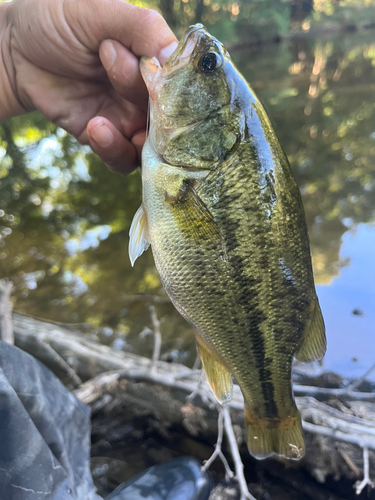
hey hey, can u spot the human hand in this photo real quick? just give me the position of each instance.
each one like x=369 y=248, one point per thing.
x=77 y=62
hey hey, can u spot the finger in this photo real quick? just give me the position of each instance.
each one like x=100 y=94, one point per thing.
x=143 y=31
x=125 y=116
x=122 y=67
x=138 y=140
x=112 y=147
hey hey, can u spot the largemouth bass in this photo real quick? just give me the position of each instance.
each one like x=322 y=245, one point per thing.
x=226 y=224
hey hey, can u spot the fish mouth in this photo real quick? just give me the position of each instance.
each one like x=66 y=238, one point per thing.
x=181 y=55
x=151 y=69
x=194 y=37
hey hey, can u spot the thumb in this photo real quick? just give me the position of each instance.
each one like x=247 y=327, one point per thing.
x=144 y=32
x=122 y=68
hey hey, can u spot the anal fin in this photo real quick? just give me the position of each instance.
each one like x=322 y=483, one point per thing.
x=138 y=242
x=218 y=377
x=314 y=342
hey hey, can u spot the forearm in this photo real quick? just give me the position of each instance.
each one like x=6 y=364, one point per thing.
x=9 y=104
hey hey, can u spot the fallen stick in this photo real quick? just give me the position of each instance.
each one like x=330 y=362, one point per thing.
x=238 y=465
x=6 y=327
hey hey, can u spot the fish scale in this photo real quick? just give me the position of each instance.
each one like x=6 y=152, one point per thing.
x=225 y=221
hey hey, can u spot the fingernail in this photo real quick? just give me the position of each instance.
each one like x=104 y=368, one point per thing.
x=102 y=135
x=108 y=54
x=166 y=52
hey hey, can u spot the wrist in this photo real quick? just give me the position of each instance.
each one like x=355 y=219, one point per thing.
x=9 y=104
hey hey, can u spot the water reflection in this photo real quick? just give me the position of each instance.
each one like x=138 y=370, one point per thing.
x=324 y=113
x=64 y=217
x=348 y=306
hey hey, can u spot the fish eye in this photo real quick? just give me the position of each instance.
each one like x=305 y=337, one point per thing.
x=209 y=62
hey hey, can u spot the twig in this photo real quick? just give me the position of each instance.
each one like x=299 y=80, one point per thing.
x=310 y=406
x=358 y=439
x=217 y=451
x=196 y=368
x=146 y=331
x=93 y=389
x=60 y=362
x=238 y=465
x=6 y=325
x=157 y=299
x=157 y=337
x=200 y=390
x=306 y=390
x=197 y=363
x=358 y=382
x=339 y=423
x=189 y=373
x=198 y=387
x=359 y=485
x=350 y=463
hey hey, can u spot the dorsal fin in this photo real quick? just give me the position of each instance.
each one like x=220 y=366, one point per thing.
x=314 y=342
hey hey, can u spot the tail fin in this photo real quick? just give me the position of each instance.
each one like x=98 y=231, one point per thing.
x=277 y=436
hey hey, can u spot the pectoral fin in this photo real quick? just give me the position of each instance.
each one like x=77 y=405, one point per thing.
x=192 y=214
x=138 y=241
x=218 y=377
x=314 y=342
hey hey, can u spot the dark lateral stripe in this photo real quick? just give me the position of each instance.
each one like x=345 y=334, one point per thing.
x=247 y=299
x=248 y=295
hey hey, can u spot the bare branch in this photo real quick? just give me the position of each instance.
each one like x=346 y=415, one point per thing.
x=217 y=451
x=60 y=362
x=156 y=299
x=157 y=337
x=93 y=389
x=6 y=325
x=203 y=391
x=366 y=474
x=358 y=439
x=305 y=390
x=311 y=407
x=238 y=465
x=197 y=363
x=350 y=463
x=188 y=374
x=146 y=331
x=356 y=383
